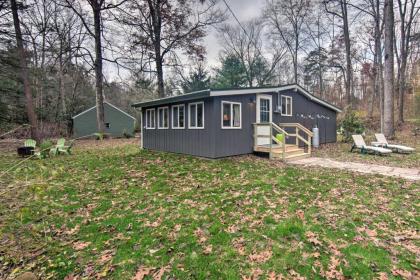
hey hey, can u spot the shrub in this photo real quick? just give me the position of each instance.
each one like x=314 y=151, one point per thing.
x=127 y=134
x=351 y=124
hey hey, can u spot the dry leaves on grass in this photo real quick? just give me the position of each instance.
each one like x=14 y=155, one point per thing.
x=300 y=214
x=239 y=245
x=261 y=257
x=208 y=249
x=106 y=256
x=155 y=273
x=334 y=272
x=255 y=274
x=79 y=245
x=313 y=238
x=199 y=233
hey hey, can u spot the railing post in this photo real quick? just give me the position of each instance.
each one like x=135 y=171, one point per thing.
x=310 y=143
x=297 y=139
x=284 y=148
x=271 y=140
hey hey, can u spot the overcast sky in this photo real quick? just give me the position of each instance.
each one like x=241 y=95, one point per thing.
x=244 y=10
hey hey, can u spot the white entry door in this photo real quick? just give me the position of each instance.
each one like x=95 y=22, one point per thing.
x=264 y=115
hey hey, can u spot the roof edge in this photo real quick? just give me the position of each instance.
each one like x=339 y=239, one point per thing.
x=105 y=102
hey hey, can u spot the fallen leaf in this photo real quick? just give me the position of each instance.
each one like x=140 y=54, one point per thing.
x=261 y=257
x=300 y=214
x=142 y=271
x=80 y=245
x=208 y=249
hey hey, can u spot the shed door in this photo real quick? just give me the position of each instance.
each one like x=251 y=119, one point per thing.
x=264 y=115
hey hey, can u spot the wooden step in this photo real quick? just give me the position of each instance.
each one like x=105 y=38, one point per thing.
x=297 y=156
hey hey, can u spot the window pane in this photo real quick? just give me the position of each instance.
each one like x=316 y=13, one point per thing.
x=236 y=115
x=181 y=117
x=200 y=116
x=226 y=114
x=289 y=106
x=165 y=117
x=160 y=118
x=153 y=121
x=192 y=115
x=283 y=106
x=175 y=116
x=264 y=110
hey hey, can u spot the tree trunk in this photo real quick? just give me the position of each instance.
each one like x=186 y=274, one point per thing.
x=389 y=69
x=61 y=81
x=24 y=73
x=349 y=68
x=156 y=18
x=100 y=118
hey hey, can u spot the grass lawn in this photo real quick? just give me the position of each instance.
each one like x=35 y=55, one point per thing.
x=404 y=136
x=117 y=212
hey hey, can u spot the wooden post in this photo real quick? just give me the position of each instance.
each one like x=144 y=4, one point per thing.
x=271 y=140
x=297 y=140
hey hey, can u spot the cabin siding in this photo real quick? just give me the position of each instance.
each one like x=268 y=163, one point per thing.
x=231 y=142
x=215 y=142
x=85 y=124
x=309 y=114
x=197 y=142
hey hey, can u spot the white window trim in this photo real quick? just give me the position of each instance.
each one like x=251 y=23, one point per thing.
x=231 y=119
x=147 y=119
x=158 y=117
x=183 y=117
x=189 y=116
x=291 y=105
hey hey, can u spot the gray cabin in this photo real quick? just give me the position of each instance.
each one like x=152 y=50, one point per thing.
x=221 y=123
x=117 y=122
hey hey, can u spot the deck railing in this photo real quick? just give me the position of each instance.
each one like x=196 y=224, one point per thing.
x=264 y=135
x=299 y=128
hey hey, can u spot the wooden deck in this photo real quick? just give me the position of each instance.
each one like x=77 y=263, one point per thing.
x=291 y=151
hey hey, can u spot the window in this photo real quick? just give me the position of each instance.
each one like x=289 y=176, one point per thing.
x=265 y=110
x=107 y=125
x=163 y=117
x=196 y=115
x=150 y=118
x=231 y=114
x=178 y=116
x=286 y=105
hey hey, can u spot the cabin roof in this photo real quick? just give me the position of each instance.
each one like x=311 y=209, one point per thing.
x=231 y=92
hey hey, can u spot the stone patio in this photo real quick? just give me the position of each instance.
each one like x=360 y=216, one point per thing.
x=412 y=174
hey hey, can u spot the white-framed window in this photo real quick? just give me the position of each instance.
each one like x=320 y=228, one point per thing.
x=163 y=117
x=150 y=118
x=178 y=116
x=286 y=105
x=196 y=115
x=231 y=115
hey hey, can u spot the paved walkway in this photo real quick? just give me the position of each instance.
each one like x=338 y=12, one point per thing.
x=406 y=173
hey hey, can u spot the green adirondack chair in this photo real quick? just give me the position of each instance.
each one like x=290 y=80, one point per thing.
x=61 y=147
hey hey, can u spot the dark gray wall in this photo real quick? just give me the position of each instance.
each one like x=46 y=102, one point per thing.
x=215 y=142
x=197 y=142
x=309 y=114
x=85 y=124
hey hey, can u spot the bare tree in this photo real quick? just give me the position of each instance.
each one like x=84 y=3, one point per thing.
x=24 y=72
x=287 y=17
x=95 y=31
x=339 y=8
x=247 y=45
x=407 y=13
x=163 y=27
x=389 y=69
